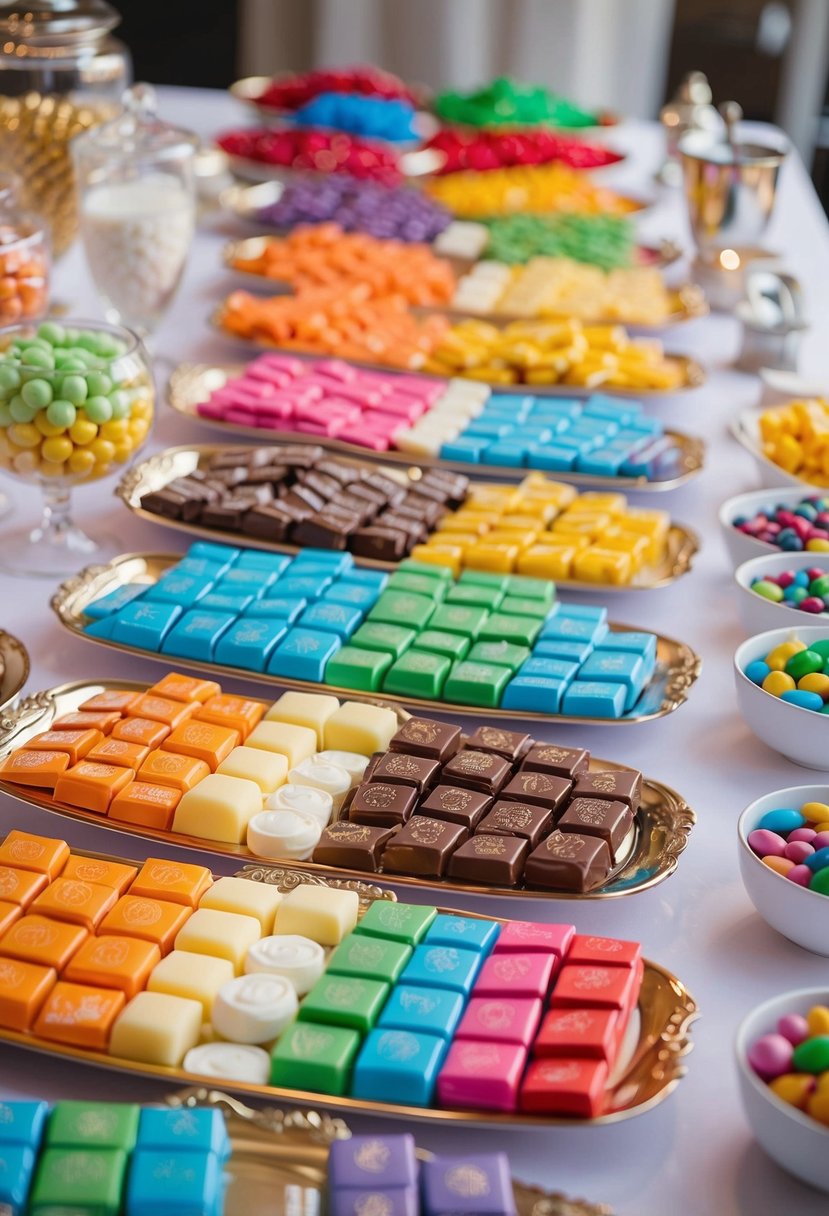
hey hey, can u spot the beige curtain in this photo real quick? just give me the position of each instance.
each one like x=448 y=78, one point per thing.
x=610 y=53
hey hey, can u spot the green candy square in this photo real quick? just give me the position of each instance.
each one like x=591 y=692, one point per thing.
x=391 y=639
x=395 y=606
x=399 y=922
x=93 y=1125
x=502 y=628
x=78 y=1180
x=440 y=574
x=310 y=1056
x=467 y=619
x=484 y=578
x=501 y=654
x=525 y=605
x=374 y=958
x=531 y=588
x=352 y=667
x=471 y=593
x=455 y=645
x=417 y=673
x=421 y=584
x=476 y=684
x=344 y=1000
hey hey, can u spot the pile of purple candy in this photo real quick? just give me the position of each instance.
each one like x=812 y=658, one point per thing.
x=395 y=213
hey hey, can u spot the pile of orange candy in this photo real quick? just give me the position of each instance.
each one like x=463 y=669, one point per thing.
x=24 y=274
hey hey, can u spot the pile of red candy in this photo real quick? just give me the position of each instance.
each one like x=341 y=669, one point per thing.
x=481 y=150
x=294 y=91
x=320 y=151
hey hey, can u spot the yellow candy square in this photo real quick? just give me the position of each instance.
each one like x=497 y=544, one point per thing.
x=596 y=565
x=309 y=709
x=440 y=555
x=196 y=977
x=498 y=558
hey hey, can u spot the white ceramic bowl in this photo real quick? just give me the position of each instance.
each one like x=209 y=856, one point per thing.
x=758 y=613
x=799 y=914
x=800 y=734
x=740 y=546
x=791 y=1138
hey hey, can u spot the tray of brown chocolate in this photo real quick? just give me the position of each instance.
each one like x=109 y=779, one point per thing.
x=191 y=384
x=163 y=490
x=493 y=813
x=643 y=1061
x=677 y=665
x=14 y=670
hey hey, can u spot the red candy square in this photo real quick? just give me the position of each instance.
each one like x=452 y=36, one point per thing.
x=591 y=1033
x=527 y=937
x=606 y=951
x=565 y=1087
x=496 y=1020
x=588 y=986
x=512 y=975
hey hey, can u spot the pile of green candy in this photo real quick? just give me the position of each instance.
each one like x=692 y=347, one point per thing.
x=606 y=241
x=505 y=102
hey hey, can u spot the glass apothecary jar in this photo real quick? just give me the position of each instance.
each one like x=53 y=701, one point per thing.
x=61 y=72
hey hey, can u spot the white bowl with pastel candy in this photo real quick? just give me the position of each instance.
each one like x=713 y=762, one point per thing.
x=778 y=1109
x=759 y=612
x=741 y=545
x=780 y=837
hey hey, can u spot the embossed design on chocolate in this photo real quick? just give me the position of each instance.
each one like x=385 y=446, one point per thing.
x=607 y=945
x=493 y=737
x=426 y=831
x=373 y=1205
x=401 y=765
x=71 y=892
x=535 y=783
x=489 y=846
x=559 y=1074
x=478 y=1057
x=307 y=1043
x=577 y=1020
x=419 y=731
x=378 y=795
x=353 y=832
x=365 y=952
x=606 y=782
x=474 y=762
x=565 y=846
x=512 y=817
x=343 y=993
x=397 y=1045
x=553 y=754
x=590 y=811
x=452 y=798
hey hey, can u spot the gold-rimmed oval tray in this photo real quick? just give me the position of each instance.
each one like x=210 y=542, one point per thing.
x=280 y=1157
x=191 y=384
x=649 y=1066
x=692 y=374
x=677 y=665
x=14 y=670
x=159 y=470
x=649 y=855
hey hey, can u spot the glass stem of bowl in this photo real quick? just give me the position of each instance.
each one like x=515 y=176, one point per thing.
x=56 y=527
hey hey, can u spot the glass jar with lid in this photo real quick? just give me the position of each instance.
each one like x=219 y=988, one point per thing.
x=61 y=72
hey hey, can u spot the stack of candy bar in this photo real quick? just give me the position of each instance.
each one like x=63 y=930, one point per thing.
x=497 y=809
x=229 y=978
x=111 y=1159
x=486 y=639
x=382 y=1174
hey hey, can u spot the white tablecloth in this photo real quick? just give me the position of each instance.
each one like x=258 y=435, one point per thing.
x=694 y=1153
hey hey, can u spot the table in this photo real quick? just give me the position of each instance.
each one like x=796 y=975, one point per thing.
x=694 y=1153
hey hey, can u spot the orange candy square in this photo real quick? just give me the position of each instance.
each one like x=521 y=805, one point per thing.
x=154 y=920
x=79 y=1015
x=108 y=873
x=151 y=806
x=23 y=989
x=42 y=854
x=111 y=700
x=119 y=751
x=184 y=688
x=168 y=768
x=20 y=886
x=236 y=712
x=38 y=939
x=76 y=743
x=173 y=880
x=92 y=786
x=75 y=901
x=41 y=769
x=161 y=709
x=103 y=721
x=9 y=913
x=140 y=730
x=114 y=962
x=206 y=742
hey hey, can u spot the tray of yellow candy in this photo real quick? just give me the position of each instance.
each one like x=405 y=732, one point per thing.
x=790 y=442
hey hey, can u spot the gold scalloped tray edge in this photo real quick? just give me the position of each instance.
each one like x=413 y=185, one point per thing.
x=14 y=670
x=158 y=470
x=663 y=822
x=677 y=669
x=192 y=383
x=649 y=1069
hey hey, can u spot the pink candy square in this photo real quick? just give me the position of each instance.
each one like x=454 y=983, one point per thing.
x=284 y=363
x=336 y=369
x=484 y=1076
x=364 y=438
x=528 y=937
x=515 y=975
x=499 y=1020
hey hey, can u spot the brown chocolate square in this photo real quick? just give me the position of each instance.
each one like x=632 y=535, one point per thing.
x=423 y=847
x=568 y=861
x=517 y=819
x=541 y=789
x=400 y=769
x=623 y=785
x=510 y=744
x=610 y=821
x=488 y=860
x=457 y=805
x=351 y=846
x=484 y=771
x=382 y=805
x=426 y=737
x=559 y=761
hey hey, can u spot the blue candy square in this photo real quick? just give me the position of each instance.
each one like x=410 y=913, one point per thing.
x=244 y=582
x=366 y=578
x=196 y=634
x=514 y=405
x=249 y=642
x=447 y=930
x=398 y=1065
x=554 y=457
x=599 y=405
x=289 y=607
x=594 y=699
x=114 y=600
x=586 y=612
x=353 y=595
x=334 y=560
x=305 y=587
x=509 y=452
x=332 y=618
x=102 y=628
x=184 y=1129
x=145 y=625
x=183 y=589
x=176 y=1183
x=303 y=655
x=214 y=601
x=253 y=559
x=200 y=567
x=603 y=462
x=488 y=428
x=225 y=555
x=467 y=449
x=549 y=668
x=426 y=1010
x=558 y=648
x=17 y=1164
x=22 y=1122
x=573 y=628
x=631 y=641
x=617 y=667
x=534 y=694
x=442 y=967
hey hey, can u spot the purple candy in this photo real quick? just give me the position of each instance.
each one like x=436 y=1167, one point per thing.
x=391 y=1201
x=766 y=844
x=798 y=850
x=771 y=1056
x=794 y=1027
x=373 y=1161
x=478 y=1185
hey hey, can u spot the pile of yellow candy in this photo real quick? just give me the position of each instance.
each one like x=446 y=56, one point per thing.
x=796 y=437
x=534 y=188
x=544 y=529
x=554 y=352
x=560 y=287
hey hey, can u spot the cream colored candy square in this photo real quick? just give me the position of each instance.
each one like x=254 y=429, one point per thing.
x=221 y=934
x=360 y=728
x=267 y=769
x=156 y=1028
x=219 y=808
x=311 y=709
x=324 y=914
x=194 y=976
x=295 y=743
x=245 y=897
